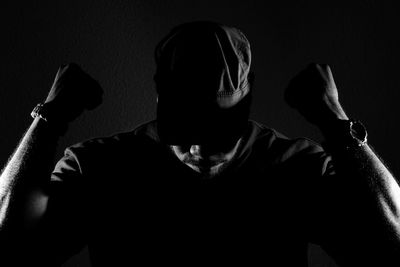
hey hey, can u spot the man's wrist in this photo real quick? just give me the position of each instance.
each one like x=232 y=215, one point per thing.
x=46 y=113
x=347 y=133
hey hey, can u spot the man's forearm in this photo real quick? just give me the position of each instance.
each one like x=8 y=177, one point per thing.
x=22 y=180
x=368 y=172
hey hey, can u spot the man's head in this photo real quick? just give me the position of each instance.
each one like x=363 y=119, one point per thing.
x=202 y=81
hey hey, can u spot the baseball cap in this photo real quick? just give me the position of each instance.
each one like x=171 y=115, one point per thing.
x=206 y=53
x=201 y=77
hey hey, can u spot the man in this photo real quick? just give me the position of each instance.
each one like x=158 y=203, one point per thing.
x=202 y=184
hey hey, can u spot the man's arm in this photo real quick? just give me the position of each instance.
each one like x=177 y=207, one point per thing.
x=368 y=172
x=364 y=208
x=21 y=182
x=24 y=181
x=364 y=196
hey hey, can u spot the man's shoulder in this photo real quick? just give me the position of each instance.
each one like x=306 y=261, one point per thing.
x=94 y=154
x=258 y=138
x=283 y=147
x=143 y=133
x=300 y=154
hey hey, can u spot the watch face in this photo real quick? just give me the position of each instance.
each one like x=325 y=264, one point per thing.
x=358 y=131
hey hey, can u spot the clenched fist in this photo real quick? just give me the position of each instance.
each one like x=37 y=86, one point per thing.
x=72 y=92
x=314 y=94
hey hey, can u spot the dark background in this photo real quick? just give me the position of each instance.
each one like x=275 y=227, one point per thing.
x=114 y=42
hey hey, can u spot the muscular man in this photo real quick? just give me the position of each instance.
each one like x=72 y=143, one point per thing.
x=202 y=184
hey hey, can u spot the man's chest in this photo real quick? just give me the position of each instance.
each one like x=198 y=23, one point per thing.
x=163 y=207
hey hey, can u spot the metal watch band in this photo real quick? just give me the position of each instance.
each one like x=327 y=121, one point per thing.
x=38 y=111
x=42 y=111
x=348 y=134
x=358 y=132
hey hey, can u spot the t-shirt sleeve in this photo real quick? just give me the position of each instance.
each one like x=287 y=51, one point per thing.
x=309 y=167
x=67 y=166
x=65 y=224
x=321 y=195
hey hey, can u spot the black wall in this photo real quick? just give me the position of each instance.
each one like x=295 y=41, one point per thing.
x=114 y=42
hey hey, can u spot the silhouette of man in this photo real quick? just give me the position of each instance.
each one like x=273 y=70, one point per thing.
x=202 y=184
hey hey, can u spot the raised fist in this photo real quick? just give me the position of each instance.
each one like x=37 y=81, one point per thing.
x=314 y=94
x=72 y=92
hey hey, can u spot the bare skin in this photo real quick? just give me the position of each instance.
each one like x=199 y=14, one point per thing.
x=203 y=160
x=313 y=93
x=384 y=187
x=72 y=92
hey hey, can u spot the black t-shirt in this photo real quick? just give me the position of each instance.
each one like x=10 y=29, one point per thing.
x=133 y=202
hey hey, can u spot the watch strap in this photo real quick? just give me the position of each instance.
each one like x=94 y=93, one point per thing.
x=43 y=112
x=346 y=133
x=39 y=111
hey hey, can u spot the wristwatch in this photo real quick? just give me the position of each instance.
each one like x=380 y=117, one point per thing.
x=43 y=111
x=358 y=132
x=350 y=133
x=40 y=111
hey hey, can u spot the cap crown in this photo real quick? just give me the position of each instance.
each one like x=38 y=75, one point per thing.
x=204 y=61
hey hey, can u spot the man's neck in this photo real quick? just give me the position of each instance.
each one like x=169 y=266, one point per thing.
x=209 y=166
